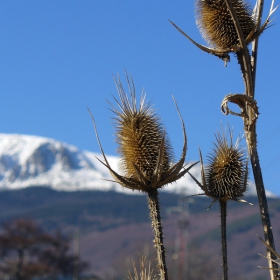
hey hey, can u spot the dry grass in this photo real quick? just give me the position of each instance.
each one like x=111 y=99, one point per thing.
x=144 y=273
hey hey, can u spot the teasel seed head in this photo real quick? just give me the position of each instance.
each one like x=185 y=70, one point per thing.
x=223 y=23
x=227 y=173
x=216 y=25
x=146 y=154
x=139 y=136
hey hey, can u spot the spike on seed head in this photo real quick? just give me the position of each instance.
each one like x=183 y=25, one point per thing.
x=139 y=135
x=216 y=25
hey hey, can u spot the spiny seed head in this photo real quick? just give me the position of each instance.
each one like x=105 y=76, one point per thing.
x=139 y=136
x=216 y=25
x=146 y=155
x=226 y=175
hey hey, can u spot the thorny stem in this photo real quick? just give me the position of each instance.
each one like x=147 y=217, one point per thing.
x=264 y=211
x=254 y=159
x=153 y=204
x=248 y=69
x=223 y=210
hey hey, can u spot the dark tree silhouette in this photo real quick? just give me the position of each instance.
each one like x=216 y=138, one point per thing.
x=58 y=259
x=28 y=251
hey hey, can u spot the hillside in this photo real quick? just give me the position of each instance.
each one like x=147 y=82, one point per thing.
x=115 y=227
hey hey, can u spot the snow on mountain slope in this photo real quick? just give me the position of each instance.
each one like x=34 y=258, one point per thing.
x=36 y=161
x=31 y=160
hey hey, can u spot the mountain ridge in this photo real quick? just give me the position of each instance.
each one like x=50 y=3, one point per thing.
x=28 y=160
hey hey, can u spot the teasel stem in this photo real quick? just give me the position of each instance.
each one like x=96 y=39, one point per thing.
x=264 y=211
x=255 y=43
x=153 y=204
x=223 y=210
x=248 y=68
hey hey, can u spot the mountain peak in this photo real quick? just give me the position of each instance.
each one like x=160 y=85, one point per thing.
x=31 y=160
x=27 y=160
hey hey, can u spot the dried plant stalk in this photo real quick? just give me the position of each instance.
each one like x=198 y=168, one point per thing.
x=154 y=207
x=146 y=157
x=223 y=211
x=249 y=118
x=229 y=26
x=277 y=260
x=225 y=178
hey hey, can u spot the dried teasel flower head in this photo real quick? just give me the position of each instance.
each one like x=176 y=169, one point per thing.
x=216 y=24
x=139 y=136
x=223 y=22
x=226 y=175
x=146 y=154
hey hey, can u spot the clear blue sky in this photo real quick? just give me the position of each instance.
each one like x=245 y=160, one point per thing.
x=58 y=57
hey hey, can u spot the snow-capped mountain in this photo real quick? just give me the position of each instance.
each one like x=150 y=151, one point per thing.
x=36 y=161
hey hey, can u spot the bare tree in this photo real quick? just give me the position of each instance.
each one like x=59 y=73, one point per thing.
x=27 y=251
x=58 y=259
x=20 y=241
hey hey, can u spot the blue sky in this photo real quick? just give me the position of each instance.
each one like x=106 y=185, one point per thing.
x=58 y=57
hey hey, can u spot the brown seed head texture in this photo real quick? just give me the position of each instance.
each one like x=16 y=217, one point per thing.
x=139 y=136
x=216 y=24
x=226 y=175
x=146 y=154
